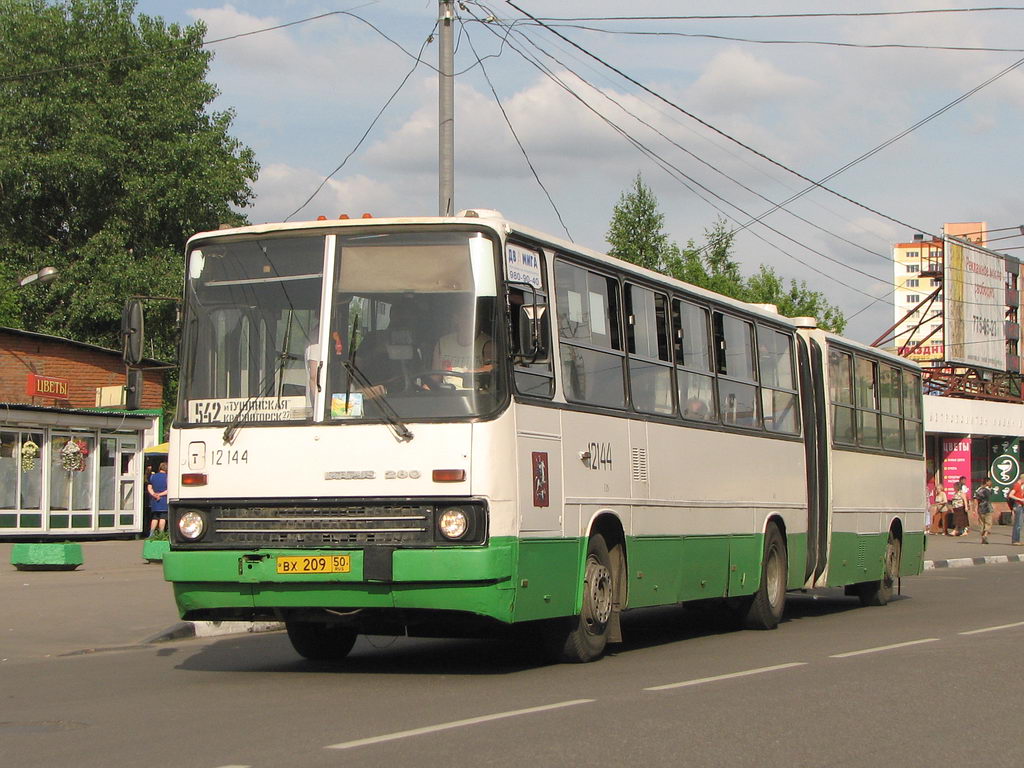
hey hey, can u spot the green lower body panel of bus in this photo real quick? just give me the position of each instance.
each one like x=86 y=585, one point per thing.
x=509 y=580
x=857 y=557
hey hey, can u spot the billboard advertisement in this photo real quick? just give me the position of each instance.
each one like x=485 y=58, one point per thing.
x=975 y=296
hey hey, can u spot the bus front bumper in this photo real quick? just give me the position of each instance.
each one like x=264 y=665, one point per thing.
x=242 y=583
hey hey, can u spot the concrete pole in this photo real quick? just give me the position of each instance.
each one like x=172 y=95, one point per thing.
x=446 y=109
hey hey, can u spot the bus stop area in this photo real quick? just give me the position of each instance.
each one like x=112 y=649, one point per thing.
x=116 y=600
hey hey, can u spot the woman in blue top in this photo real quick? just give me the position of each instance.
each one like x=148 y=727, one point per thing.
x=157 y=490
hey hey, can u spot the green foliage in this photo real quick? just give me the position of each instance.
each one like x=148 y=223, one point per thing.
x=766 y=287
x=636 y=236
x=635 y=232
x=109 y=161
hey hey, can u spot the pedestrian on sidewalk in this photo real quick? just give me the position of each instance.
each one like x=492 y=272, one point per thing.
x=984 y=498
x=157 y=490
x=1016 y=498
x=958 y=520
x=942 y=510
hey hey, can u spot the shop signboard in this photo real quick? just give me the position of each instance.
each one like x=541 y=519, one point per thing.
x=47 y=386
x=1005 y=467
x=956 y=462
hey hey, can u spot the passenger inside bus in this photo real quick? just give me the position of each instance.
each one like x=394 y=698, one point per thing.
x=467 y=351
x=390 y=357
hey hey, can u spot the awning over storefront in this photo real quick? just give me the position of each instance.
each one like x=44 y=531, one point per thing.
x=157 y=450
x=958 y=416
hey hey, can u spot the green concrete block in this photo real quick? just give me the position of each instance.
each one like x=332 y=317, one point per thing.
x=153 y=550
x=51 y=556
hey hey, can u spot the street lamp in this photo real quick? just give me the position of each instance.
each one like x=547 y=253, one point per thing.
x=44 y=275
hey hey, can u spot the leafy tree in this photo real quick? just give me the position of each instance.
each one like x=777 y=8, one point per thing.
x=636 y=236
x=766 y=287
x=109 y=161
x=635 y=232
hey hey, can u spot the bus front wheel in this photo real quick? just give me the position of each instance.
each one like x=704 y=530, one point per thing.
x=318 y=641
x=584 y=637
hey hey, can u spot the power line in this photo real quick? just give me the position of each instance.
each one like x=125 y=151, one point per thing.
x=369 y=128
x=512 y=130
x=820 y=43
x=815 y=15
x=717 y=130
x=715 y=168
x=690 y=183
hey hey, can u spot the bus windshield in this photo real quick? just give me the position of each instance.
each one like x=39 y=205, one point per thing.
x=411 y=330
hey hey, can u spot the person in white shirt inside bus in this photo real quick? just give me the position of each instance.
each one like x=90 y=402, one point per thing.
x=465 y=350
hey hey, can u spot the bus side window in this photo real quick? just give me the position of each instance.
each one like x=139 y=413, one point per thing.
x=734 y=363
x=650 y=361
x=693 y=362
x=590 y=342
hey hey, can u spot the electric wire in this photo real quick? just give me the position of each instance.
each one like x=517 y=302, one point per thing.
x=369 y=128
x=714 y=168
x=512 y=130
x=692 y=184
x=819 y=43
x=809 y=15
x=717 y=130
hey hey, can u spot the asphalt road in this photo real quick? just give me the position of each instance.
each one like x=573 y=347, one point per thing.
x=933 y=678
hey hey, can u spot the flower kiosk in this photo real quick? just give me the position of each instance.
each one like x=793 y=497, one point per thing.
x=72 y=472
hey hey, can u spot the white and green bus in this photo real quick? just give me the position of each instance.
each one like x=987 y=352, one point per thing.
x=456 y=426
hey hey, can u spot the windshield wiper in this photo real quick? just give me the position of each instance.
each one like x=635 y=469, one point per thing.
x=390 y=414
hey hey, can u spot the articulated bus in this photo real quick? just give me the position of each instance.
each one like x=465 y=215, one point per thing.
x=459 y=426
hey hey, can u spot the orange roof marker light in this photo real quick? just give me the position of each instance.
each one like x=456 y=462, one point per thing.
x=367 y=215
x=343 y=216
x=321 y=218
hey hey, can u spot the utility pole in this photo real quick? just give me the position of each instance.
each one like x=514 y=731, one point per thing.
x=446 y=108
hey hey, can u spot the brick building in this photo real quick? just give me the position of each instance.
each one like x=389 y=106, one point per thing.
x=71 y=458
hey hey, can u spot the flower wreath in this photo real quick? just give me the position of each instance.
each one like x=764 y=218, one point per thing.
x=72 y=455
x=29 y=454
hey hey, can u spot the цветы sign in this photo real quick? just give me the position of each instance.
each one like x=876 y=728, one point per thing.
x=47 y=386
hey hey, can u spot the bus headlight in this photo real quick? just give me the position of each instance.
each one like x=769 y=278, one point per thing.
x=453 y=523
x=192 y=525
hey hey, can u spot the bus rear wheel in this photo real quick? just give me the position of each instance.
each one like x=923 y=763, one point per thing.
x=584 y=637
x=763 y=609
x=318 y=641
x=880 y=592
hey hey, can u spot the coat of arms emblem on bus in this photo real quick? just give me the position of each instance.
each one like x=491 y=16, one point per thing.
x=540 y=479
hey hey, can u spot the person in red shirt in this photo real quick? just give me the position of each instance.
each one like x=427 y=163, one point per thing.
x=1016 y=498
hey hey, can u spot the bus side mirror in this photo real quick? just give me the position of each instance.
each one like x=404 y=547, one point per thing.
x=533 y=331
x=132 y=332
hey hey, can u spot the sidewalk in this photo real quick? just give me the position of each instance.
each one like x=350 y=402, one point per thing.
x=959 y=551
x=116 y=599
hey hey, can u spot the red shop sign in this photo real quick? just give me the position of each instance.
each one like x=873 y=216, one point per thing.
x=47 y=386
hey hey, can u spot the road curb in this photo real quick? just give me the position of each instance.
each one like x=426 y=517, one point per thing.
x=964 y=562
x=185 y=630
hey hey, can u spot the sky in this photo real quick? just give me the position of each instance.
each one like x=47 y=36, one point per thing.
x=721 y=122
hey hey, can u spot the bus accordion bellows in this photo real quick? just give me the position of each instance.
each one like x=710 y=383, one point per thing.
x=460 y=426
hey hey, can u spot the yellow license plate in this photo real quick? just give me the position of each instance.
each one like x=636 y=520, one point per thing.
x=315 y=564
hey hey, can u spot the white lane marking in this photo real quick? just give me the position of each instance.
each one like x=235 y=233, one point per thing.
x=455 y=724
x=883 y=648
x=993 y=629
x=716 y=678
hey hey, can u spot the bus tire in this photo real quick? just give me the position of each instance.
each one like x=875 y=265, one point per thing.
x=763 y=609
x=318 y=641
x=880 y=592
x=587 y=633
